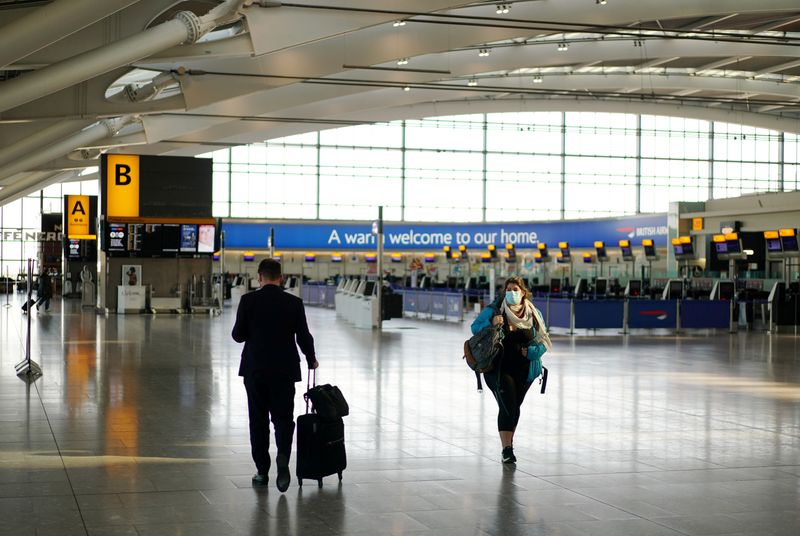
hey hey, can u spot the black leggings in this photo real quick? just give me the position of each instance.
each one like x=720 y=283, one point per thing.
x=513 y=388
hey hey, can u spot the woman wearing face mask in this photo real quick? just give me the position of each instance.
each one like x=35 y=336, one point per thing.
x=525 y=341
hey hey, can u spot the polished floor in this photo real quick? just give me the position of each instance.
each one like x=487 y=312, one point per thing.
x=139 y=427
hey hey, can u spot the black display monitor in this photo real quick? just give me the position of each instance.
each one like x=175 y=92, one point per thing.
x=369 y=288
x=721 y=247
x=117 y=238
x=170 y=237
x=73 y=249
x=727 y=290
x=555 y=286
x=151 y=240
x=635 y=287
x=626 y=252
x=678 y=249
x=601 y=286
x=789 y=243
x=135 y=232
x=734 y=246
x=675 y=290
x=774 y=245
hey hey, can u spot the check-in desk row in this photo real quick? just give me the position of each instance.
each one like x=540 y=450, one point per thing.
x=356 y=302
x=629 y=314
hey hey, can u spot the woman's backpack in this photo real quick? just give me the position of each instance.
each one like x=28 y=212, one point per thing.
x=482 y=349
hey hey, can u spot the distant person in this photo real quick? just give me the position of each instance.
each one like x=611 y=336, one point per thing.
x=133 y=278
x=272 y=323
x=45 y=291
x=520 y=363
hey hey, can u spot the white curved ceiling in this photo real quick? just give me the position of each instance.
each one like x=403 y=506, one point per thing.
x=277 y=68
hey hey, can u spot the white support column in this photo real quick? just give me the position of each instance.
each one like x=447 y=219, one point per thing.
x=51 y=23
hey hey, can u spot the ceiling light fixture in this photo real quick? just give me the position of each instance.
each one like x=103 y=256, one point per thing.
x=483 y=52
x=563 y=46
x=600 y=2
x=406 y=88
x=472 y=82
x=502 y=9
x=402 y=61
x=399 y=23
x=538 y=79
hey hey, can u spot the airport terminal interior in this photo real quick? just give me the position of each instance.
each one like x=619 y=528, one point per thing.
x=635 y=164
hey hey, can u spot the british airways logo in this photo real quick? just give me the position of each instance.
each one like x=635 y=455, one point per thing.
x=660 y=314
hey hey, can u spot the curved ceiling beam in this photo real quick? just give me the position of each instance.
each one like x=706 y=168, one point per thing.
x=39 y=139
x=60 y=148
x=186 y=26
x=33 y=182
x=51 y=23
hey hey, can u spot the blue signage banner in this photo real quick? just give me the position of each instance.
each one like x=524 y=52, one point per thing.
x=407 y=236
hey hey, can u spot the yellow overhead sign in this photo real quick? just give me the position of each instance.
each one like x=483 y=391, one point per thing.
x=122 y=186
x=78 y=218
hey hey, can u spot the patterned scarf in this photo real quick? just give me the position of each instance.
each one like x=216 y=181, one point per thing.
x=526 y=322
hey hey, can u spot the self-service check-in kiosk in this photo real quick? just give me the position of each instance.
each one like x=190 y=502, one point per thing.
x=366 y=312
x=344 y=303
x=337 y=298
x=292 y=285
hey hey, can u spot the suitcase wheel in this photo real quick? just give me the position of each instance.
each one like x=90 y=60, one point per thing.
x=319 y=482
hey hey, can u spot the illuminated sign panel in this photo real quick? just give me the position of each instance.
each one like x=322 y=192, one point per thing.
x=122 y=186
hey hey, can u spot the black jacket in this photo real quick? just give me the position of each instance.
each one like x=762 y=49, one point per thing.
x=268 y=322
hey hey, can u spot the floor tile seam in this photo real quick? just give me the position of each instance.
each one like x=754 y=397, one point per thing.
x=605 y=503
x=61 y=458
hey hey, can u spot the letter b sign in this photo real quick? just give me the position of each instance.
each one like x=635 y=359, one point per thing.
x=122 y=185
x=123 y=174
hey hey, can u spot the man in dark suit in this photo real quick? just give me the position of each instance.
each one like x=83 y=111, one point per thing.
x=268 y=322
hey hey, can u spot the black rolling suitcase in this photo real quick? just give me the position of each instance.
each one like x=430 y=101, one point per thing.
x=320 y=445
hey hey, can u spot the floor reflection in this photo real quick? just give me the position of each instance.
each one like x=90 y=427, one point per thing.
x=139 y=426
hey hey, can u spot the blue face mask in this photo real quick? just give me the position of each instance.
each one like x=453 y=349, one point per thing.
x=513 y=297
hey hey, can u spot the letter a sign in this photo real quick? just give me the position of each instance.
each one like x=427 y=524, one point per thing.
x=78 y=216
x=122 y=185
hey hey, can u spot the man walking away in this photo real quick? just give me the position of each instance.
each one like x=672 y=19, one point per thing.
x=272 y=323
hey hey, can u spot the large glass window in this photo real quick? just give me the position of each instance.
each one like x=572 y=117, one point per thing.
x=354 y=181
x=746 y=160
x=500 y=166
x=523 y=187
x=443 y=185
x=791 y=157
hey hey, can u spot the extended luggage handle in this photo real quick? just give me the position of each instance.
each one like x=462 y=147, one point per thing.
x=309 y=385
